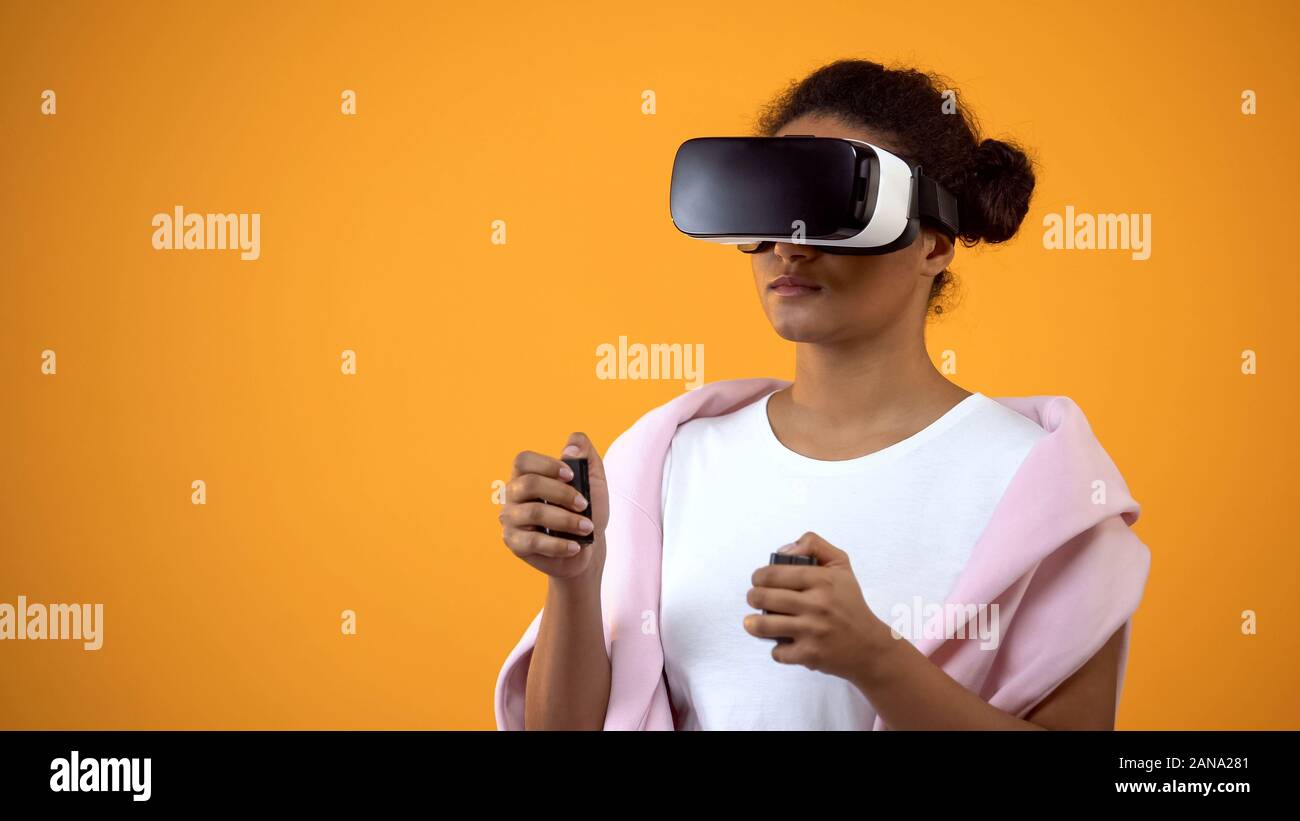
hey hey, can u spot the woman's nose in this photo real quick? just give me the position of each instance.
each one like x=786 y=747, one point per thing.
x=794 y=250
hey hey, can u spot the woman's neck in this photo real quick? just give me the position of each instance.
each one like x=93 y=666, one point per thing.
x=848 y=401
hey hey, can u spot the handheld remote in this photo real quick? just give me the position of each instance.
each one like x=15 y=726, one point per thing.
x=581 y=483
x=782 y=558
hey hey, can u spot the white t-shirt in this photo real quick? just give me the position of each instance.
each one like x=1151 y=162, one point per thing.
x=907 y=515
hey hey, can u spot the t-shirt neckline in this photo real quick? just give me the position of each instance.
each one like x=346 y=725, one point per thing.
x=807 y=464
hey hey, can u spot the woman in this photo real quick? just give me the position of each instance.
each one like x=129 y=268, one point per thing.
x=938 y=517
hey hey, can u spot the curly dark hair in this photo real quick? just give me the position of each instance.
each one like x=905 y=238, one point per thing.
x=992 y=180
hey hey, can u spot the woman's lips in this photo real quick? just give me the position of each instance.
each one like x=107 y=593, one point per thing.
x=794 y=290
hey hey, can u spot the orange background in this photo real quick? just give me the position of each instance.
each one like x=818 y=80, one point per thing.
x=374 y=492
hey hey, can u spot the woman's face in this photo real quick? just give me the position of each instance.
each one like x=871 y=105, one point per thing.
x=860 y=296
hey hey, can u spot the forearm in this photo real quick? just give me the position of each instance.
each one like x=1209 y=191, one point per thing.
x=909 y=692
x=569 y=672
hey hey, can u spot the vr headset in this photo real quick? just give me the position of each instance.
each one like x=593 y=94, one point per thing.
x=841 y=196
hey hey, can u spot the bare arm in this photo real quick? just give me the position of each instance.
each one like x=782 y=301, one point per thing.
x=911 y=692
x=569 y=671
x=834 y=631
x=568 y=668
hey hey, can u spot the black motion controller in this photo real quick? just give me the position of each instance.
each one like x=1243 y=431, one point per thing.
x=582 y=484
x=781 y=558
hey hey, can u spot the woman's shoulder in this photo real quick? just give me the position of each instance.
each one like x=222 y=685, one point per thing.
x=994 y=417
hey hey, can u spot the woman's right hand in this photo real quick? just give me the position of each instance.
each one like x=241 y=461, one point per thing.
x=538 y=477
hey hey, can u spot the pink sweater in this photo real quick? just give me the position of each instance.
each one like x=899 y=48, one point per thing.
x=1057 y=557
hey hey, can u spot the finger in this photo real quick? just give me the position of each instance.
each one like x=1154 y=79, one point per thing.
x=812 y=544
x=773 y=626
x=552 y=517
x=535 y=543
x=790 y=652
x=533 y=487
x=788 y=576
x=777 y=600
x=530 y=461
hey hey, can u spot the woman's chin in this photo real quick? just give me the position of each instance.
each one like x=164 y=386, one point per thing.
x=794 y=329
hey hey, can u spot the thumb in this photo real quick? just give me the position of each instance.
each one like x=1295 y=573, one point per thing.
x=581 y=447
x=577 y=446
x=810 y=544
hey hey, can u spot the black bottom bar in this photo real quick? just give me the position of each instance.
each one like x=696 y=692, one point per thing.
x=330 y=769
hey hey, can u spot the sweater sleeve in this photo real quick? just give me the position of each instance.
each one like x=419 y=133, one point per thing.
x=1077 y=598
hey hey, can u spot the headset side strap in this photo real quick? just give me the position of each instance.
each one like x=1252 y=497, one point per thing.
x=935 y=203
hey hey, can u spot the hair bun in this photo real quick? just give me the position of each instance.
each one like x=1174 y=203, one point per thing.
x=996 y=191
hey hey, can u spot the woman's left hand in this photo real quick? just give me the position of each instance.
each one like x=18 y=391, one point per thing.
x=833 y=629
